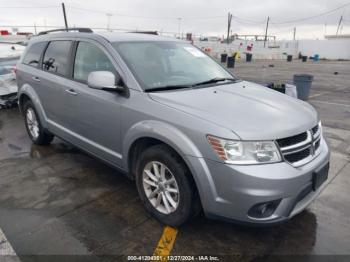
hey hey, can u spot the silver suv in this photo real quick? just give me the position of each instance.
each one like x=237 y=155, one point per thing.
x=190 y=134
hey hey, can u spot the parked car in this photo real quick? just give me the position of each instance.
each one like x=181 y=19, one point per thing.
x=8 y=83
x=192 y=135
x=9 y=56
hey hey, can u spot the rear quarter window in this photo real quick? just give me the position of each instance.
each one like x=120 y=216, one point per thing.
x=57 y=56
x=32 y=57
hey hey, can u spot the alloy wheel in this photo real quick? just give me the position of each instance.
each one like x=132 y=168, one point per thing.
x=32 y=123
x=160 y=187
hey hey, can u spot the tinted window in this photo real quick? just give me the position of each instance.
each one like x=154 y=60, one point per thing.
x=32 y=57
x=90 y=58
x=56 y=57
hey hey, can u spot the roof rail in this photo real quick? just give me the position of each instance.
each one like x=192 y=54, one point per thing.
x=145 y=32
x=79 y=29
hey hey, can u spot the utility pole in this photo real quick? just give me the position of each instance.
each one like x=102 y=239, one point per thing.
x=35 y=28
x=294 y=32
x=267 y=27
x=229 y=19
x=109 y=15
x=65 y=16
x=340 y=20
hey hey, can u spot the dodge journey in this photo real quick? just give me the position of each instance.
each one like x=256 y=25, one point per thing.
x=192 y=135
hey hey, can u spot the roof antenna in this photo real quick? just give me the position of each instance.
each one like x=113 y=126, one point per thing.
x=65 y=16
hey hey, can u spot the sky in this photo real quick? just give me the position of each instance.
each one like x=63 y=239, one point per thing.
x=200 y=17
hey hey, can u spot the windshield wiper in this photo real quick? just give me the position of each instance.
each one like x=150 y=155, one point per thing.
x=168 y=87
x=173 y=87
x=215 y=80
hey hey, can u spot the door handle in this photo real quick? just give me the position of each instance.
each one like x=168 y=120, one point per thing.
x=71 y=92
x=35 y=78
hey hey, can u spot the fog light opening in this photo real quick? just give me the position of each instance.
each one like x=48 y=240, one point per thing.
x=263 y=210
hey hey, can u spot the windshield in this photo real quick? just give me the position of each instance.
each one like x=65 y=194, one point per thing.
x=160 y=64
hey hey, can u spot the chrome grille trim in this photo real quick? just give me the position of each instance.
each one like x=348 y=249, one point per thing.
x=296 y=150
x=317 y=135
x=305 y=142
x=309 y=143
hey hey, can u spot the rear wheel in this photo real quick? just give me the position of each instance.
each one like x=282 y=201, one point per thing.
x=33 y=125
x=165 y=186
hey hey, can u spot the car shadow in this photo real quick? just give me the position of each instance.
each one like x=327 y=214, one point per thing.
x=203 y=236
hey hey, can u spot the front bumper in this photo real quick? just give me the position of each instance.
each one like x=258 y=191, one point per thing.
x=229 y=191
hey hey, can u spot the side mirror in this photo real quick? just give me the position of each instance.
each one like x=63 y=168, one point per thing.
x=104 y=80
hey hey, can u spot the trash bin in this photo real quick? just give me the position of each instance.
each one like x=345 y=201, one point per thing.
x=248 y=57
x=304 y=58
x=303 y=83
x=289 y=58
x=223 y=58
x=231 y=62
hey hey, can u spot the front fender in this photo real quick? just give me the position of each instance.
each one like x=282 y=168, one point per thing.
x=183 y=145
x=29 y=91
x=162 y=131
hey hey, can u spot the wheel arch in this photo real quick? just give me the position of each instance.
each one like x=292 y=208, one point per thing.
x=28 y=93
x=148 y=133
x=141 y=144
x=22 y=100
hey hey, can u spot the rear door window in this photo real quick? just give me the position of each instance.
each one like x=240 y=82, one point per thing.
x=90 y=58
x=57 y=56
x=33 y=55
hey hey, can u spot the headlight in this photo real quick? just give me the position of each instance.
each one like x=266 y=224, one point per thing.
x=245 y=152
x=320 y=127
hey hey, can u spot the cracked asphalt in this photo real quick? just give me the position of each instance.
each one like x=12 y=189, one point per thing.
x=56 y=200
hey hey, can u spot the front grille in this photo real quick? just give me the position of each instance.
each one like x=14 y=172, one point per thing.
x=300 y=155
x=301 y=148
x=317 y=144
x=315 y=129
x=288 y=141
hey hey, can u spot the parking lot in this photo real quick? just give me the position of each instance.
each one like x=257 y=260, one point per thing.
x=57 y=200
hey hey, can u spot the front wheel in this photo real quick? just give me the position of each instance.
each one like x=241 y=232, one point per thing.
x=33 y=125
x=165 y=186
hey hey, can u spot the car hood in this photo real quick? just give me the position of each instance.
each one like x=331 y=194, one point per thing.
x=251 y=111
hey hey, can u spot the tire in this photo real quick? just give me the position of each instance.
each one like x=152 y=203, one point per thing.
x=186 y=200
x=37 y=133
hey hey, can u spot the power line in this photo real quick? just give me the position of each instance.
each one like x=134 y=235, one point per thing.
x=314 y=16
x=94 y=28
x=119 y=14
x=208 y=17
x=143 y=17
x=248 y=21
x=281 y=30
x=25 y=7
x=241 y=20
x=236 y=18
